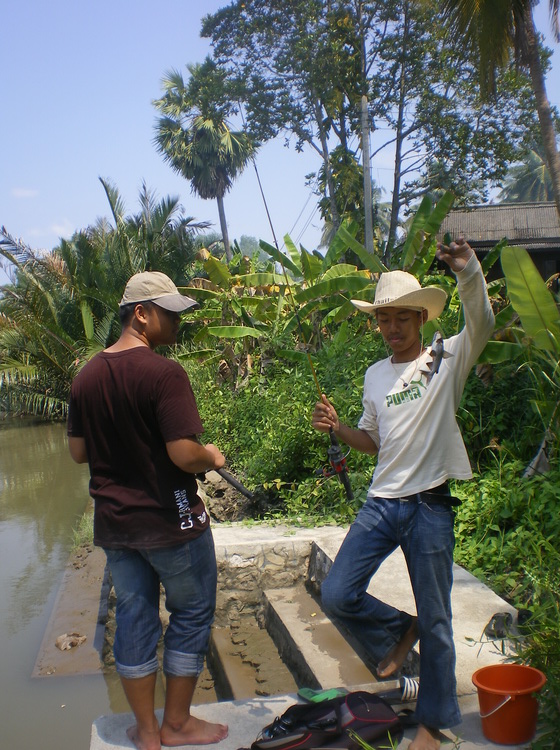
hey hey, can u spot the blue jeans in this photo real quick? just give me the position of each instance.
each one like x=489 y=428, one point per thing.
x=188 y=574
x=425 y=533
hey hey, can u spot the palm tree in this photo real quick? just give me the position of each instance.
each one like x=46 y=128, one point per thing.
x=497 y=28
x=195 y=138
x=529 y=181
x=62 y=306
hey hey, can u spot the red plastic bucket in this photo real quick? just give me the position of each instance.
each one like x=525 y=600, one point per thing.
x=508 y=708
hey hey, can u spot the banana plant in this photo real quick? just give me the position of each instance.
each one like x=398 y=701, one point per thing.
x=539 y=339
x=309 y=291
x=419 y=249
x=532 y=300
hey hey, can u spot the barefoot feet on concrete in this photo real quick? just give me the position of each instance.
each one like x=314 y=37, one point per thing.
x=193 y=732
x=144 y=739
x=426 y=739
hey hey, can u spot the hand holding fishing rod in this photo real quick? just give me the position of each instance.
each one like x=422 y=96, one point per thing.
x=219 y=461
x=325 y=419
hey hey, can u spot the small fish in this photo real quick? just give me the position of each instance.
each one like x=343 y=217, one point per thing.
x=438 y=354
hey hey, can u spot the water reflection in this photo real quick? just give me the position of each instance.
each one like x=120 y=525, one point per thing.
x=42 y=495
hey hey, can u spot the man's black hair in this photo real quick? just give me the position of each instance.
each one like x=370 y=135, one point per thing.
x=127 y=311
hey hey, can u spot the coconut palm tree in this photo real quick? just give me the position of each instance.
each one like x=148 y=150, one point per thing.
x=528 y=181
x=194 y=135
x=496 y=29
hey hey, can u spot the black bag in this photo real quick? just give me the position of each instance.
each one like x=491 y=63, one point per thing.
x=329 y=724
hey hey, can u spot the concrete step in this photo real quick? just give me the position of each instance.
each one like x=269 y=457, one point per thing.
x=309 y=643
x=240 y=672
x=473 y=605
x=256 y=559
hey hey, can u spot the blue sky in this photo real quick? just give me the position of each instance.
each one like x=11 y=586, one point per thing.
x=76 y=84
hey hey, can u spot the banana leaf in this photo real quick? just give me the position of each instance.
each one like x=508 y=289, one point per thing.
x=344 y=312
x=342 y=241
x=293 y=252
x=422 y=263
x=415 y=237
x=425 y=226
x=500 y=351
x=311 y=265
x=343 y=269
x=233 y=332
x=332 y=286
x=218 y=272
x=198 y=293
x=493 y=255
x=281 y=258
x=262 y=279
x=531 y=298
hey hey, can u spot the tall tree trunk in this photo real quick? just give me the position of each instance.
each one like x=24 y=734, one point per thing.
x=395 y=203
x=223 y=228
x=366 y=158
x=335 y=216
x=548 y=132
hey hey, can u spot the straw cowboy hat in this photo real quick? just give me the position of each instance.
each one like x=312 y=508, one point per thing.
x=401 y=289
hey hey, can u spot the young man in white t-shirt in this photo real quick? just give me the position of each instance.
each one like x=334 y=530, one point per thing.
x=409 y=422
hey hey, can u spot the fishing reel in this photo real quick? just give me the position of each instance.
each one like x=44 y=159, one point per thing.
x=338 y=465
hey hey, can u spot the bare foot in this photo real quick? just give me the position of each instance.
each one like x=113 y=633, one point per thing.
x=193 y=732
x=145 y=740
x=396 y=656
x=426 y=739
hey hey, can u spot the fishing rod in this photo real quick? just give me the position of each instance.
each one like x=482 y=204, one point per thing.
x=235 y=483
x=336 y=457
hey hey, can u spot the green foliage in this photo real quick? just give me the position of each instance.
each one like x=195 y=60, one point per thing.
x=508 y=531
x=531 y=299
x=265 y=428
x=494 y=414
x=301 y=69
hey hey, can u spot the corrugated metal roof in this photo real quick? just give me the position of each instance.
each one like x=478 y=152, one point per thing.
x=516 y=221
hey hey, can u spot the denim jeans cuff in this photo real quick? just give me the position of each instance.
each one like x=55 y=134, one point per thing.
x=177 y=664
x=139 y=670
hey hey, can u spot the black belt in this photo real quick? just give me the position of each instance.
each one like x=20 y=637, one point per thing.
x=439 y=494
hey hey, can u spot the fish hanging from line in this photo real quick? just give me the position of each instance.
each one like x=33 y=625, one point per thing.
x=438 y=354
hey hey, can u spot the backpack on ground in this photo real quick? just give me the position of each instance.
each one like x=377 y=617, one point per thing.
x=331 y=724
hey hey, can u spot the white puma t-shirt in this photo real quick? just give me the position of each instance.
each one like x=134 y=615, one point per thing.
x=420 y=445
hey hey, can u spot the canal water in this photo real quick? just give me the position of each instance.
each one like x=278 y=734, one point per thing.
x=42 y=496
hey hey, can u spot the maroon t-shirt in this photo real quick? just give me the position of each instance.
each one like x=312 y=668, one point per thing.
x=127 y=405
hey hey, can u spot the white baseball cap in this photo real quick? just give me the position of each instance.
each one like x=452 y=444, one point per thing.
x=154 y=286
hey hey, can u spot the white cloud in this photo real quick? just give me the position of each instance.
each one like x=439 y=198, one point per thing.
x=24 y=192
x=65 y=229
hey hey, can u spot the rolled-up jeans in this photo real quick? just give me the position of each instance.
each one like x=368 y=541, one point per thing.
x=424 y=531
x=188 y=574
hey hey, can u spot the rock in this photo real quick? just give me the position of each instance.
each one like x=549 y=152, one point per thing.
x=69 y=640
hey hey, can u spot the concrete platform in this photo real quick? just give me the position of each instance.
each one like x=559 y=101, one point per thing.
x=263 y=553
x=247 y=718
